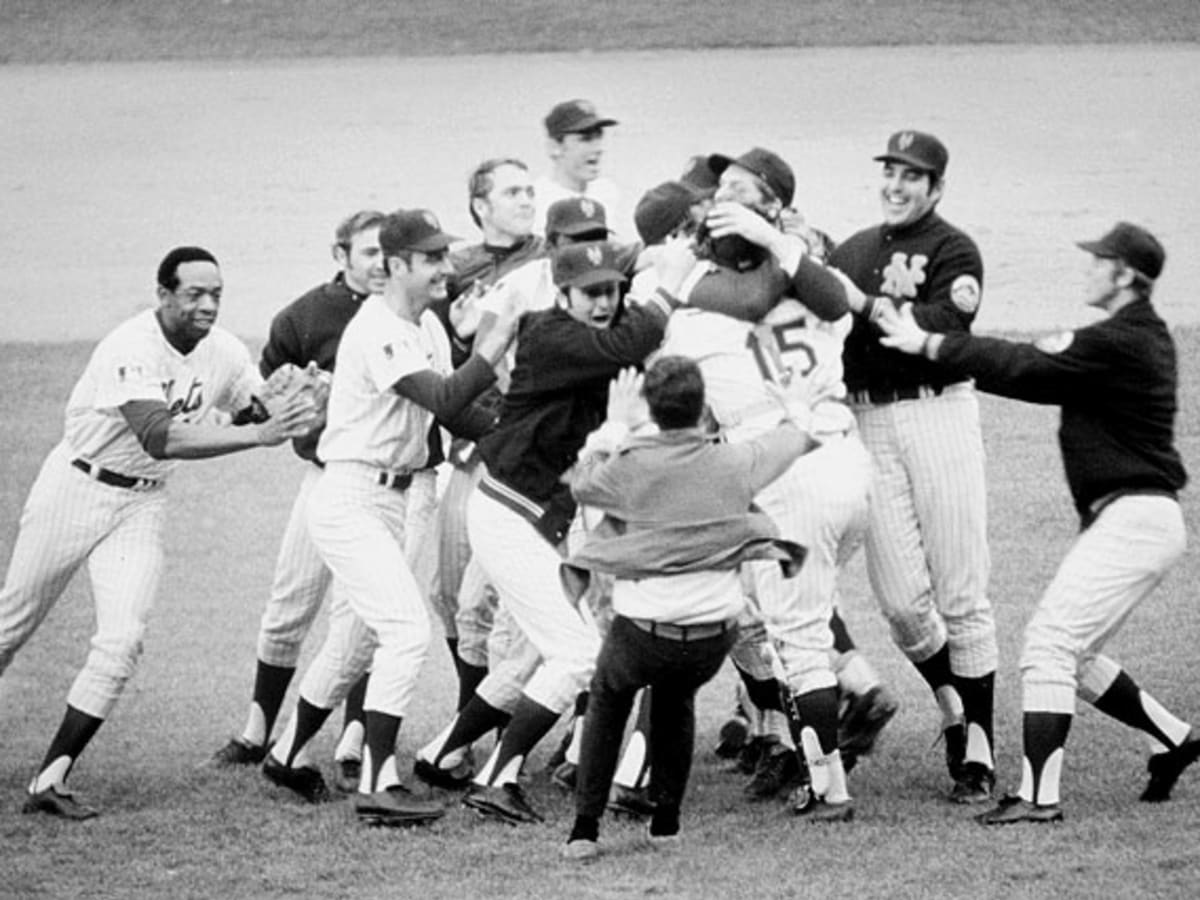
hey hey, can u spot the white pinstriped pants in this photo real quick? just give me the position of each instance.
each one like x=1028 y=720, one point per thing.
x=460 y=594
x=821 y=503
x=69 y=519
x=927 y=550
x=302 y=578
x=523 y=567
x=1109 y=570
x=377 y=614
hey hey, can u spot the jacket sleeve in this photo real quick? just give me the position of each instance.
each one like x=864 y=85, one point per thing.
x=819 y=290
x=1052 y=371
x=282 y=346
x=580 y=353
x=955 y=286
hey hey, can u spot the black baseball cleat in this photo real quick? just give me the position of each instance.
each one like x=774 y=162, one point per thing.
x=454 y=779
x=347 y=773
x=503 y=802
x=62 y=804
x=397 y=806
x=307 y=782
x=865 y=717
x=1165 y=769
x=778 y=769
x=238 y=752
x=819 y=810
x=973 y=785
x=634 y=802
x=1011 y=810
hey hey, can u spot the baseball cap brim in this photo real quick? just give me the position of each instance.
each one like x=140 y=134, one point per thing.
x=588 y=124
x=577 y=228
x=434 y=242
x=594 y=277
x=913 y=161
x=1097 y=248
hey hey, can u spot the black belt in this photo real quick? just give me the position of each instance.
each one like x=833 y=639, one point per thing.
x=395 y=480
x=905 y=392
x=113 y=479
x=683 y=633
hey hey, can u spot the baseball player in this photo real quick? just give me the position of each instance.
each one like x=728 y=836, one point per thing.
x=683 y=503
x=521 y=512
x=528 y=288
x=575 y=145
x=927 y=553
x=1123 y=471
x=762 y=313
x=391 y=382
x=501 y=203
x=307 y=330
x=143 y=402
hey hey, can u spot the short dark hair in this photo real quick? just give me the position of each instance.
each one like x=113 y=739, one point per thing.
x=674 y=391
x=482 y=180
x=168 y=274
x=343 y=235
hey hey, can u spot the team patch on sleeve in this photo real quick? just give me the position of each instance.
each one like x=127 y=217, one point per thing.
x=129 y=372
x=1055 y=343
x=965 y=293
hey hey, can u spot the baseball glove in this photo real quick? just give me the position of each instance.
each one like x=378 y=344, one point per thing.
x=290 y=383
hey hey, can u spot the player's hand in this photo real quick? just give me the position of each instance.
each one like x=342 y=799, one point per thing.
x=727 y=217
x=496 y=329
x=854 y=297
x=297 y=416
x=673 y=263
x=466 y=309
x=626 y=405
x=900 y=329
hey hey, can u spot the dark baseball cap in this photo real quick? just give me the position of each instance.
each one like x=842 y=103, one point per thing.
x=766 y=165
x=574 y=116
x=697 y=174
x=662 y=208
x=917 y=149
x=584 y=265
x=413 y=229
x=576 y=215
x=1134 y=246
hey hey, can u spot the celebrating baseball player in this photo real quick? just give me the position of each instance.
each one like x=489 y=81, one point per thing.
x=143 y=402
x=307 y=330
x=575 y=145
x=1116 y=382
x=762 y=313
x=679 y=527
x=392 y=381
x=927 y=552
x=521 y=512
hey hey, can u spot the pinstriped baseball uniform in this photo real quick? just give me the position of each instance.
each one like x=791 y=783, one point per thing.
x=821 y=501
x=73 y=516
x=358 y=524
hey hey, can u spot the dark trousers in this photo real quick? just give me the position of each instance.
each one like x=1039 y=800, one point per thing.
x=629 y=660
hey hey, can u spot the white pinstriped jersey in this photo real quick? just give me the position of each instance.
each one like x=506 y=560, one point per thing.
x=738 y=359
x=135 y=362
x=366 y=420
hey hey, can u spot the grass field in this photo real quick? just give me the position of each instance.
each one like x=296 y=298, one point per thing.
x=35 y=31
x=171 y=829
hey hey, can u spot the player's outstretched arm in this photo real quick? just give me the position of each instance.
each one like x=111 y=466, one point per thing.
x=163 y=438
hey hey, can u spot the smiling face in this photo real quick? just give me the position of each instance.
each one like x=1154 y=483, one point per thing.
x=426 y=279
x=506 y=213
x=907 y=193
x=594 y=305
x=738 y=185
x=362 y=262
x=577 y=157
x=189 y=311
